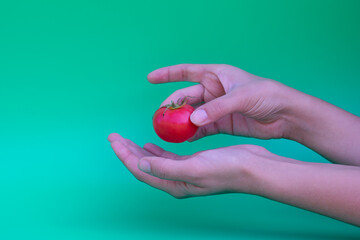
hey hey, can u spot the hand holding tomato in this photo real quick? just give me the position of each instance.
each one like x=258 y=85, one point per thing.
x=232 y=101
x=172 y=122
x=236 y=102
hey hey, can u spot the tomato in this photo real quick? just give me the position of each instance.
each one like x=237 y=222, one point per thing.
x=172 y=122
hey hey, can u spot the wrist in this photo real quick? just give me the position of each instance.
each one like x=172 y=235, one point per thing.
x=271 y=174
x=307 y=117
x=288 y=103
x=328 y=130
x=299 y=116
x=252 y=176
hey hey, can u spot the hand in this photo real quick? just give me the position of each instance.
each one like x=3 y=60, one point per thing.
x=246 y=169
x=222 y=170
x=235 y=102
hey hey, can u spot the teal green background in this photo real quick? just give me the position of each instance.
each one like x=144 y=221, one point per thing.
x=72 y=72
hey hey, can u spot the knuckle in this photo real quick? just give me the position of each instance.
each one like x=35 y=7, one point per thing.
x=214 y=109
x=224 y=66
x=268 y=86
x=160 y=171
x=184 y=72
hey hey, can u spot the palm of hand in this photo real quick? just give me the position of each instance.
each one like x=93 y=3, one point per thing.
x=130 y=154
x=199 y=174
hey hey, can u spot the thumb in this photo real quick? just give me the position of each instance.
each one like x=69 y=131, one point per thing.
x=164 y=168
x=215 y=109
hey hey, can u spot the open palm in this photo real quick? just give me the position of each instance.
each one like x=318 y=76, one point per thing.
x=203 y=173
x=130 y=154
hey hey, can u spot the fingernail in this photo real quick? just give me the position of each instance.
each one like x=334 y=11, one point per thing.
x=198 y=117
x=144 y=166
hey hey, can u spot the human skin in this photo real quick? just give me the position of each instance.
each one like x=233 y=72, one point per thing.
x=239 y=103
x=235 y=102
x=328 y=189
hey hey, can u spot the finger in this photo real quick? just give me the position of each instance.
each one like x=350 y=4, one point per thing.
x=136 y=149
x=154 y=149
x=114 y=137
x=124 y=153
x=130 y=160
x=182 y=72
x=166 y=168
x=207 y=130
x=193 y=94
x=215 y=109
x=158 y=151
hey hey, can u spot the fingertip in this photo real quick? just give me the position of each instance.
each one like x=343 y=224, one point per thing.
x=199 y=117
x=156 y=75
x=150 y=77
x=113 y=137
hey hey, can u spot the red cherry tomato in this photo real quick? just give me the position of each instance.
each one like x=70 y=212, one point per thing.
x=172 y=122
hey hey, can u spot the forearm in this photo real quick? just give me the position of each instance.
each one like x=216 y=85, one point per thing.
x=328 y=189
x=325 y=128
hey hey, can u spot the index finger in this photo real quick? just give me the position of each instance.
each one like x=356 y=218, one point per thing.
x=182 y=72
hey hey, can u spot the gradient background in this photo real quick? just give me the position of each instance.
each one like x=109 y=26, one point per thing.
x=72 y=72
